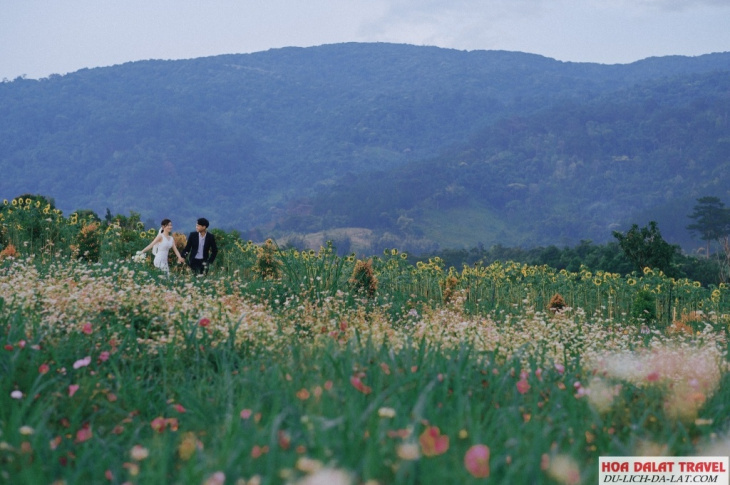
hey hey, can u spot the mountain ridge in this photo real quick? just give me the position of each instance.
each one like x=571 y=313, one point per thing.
x=262 y=137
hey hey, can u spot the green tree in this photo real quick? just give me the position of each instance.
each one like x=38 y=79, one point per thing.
x=712 y=220
x=645 y=247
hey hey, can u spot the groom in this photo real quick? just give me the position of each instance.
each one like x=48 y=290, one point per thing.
x=201 y=248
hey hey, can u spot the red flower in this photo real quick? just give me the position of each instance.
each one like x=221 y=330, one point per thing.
x=158 y=424
x=284 y=440
x=204 y=322
x=172 y=423
x=358 y=384
x=433 y=442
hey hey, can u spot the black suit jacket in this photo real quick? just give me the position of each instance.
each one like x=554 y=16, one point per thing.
x=210 y=250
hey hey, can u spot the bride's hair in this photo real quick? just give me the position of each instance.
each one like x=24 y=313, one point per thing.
x=163 y=224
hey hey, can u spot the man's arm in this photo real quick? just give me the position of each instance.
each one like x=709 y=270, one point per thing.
x=188 y=247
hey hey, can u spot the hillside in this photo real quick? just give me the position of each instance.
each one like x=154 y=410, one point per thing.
x=560 y=175
x=418 y=146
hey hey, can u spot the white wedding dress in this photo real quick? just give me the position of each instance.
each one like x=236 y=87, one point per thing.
x=163 y=248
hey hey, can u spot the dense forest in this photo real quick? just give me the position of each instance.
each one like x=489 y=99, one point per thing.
x=415 y=147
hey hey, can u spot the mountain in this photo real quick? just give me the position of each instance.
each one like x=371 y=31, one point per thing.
x=409 y=146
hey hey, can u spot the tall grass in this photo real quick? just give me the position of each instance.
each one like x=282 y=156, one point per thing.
x=112 y=374
x=278 y=368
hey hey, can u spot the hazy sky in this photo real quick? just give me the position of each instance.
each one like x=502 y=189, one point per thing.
x=42 y=37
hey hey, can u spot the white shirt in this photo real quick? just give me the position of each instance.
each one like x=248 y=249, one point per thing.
x=201 y=243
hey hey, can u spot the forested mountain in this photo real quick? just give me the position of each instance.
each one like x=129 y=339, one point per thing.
x=420 y=147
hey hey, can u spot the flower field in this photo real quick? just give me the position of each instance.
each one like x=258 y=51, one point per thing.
x=290 y=367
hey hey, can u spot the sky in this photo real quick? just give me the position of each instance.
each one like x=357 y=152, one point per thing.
x=43 y=37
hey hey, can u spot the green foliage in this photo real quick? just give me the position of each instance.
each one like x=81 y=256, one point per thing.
x=644 y=309
x=712 y=219
x=32 y=224
x=363 y=281
x=124 y=236
x=268 y=264
x=87 y=243
x=646 y=248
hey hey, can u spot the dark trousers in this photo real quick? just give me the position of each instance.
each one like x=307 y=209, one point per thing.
x=198 y=266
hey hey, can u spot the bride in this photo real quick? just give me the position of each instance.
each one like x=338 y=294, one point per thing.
x=161 y=245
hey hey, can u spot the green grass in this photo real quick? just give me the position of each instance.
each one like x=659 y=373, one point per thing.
x=273 y=381
x=446 y=227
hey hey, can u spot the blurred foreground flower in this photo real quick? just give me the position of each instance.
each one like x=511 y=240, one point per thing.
x=522 y=385
x=139 y=453
x=358 y=384
x=218 y=478
x=327 y=476
x=408 y=451
x=564 y=469
x=433 y=443
x=386 y=412
x=476 y=461
x=188 y=446
x=82 y=362
x=84 y=434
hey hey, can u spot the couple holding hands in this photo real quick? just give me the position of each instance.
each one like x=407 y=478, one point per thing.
x=200 y=250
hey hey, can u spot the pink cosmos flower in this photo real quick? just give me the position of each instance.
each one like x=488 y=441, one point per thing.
x=433 y=442
x=104 y=356
x=82 y=362
x=204 y=322
x=158 y=424
x=476 y=461
x=179 y=408
x=53 y=444
x=246 y=413
x=256 y=451
x=560 y=368
x=87 y=329
x=43 y=368
x=84 y=434
x=359 y=385
x=523 y=386
x=72 y=389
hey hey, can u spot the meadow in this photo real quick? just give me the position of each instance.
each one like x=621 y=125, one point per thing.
x=303 y=367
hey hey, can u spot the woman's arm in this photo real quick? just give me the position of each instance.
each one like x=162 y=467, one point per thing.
x=154 y=241
x=179 y=258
